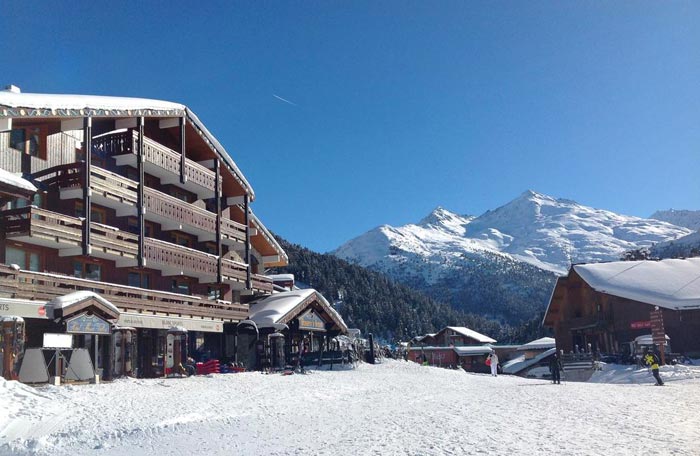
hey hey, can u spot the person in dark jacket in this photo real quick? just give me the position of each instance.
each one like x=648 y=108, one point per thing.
x=555 y=368
x=650 y=359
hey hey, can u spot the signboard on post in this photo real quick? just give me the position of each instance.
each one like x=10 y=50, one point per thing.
x=87 y=324
x=658 y=333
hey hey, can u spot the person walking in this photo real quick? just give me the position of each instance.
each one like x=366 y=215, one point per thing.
x=650 y=359
x=555 y=368
x=493 y=362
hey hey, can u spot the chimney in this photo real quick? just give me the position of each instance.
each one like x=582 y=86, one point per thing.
x=12 y=88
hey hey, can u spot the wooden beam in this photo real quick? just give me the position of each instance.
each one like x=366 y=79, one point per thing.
x=72 y=124
x=246 y=209
x=87 y=193
x=131 y=122
x=183 y=152
x=169 y=123
x=141 y=199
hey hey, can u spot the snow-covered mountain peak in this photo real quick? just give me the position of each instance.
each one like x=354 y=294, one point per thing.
x=441 y=218
x=685 y=218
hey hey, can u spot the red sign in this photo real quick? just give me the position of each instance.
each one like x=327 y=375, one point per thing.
x=41 y=311
x=640 y=324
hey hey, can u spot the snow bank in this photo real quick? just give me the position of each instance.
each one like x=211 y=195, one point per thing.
x=396 y=408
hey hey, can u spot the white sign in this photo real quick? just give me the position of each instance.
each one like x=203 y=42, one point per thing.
x=53 y=340
x=157 y=322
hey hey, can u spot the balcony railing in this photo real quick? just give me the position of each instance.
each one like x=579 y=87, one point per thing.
x=175 y=259
x=120 y=193
x=38 y=226
x=262 y=284
x=160 y=160
x=42 y=286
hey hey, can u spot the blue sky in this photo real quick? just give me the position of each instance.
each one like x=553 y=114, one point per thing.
x=397 y=107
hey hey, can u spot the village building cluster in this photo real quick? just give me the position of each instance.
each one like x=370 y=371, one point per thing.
x=129 y=246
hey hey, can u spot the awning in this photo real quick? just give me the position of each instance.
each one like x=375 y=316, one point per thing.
x=158 y=322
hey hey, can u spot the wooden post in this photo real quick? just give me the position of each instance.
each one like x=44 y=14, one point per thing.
x=183 y=152
x=217 y=195
x=141 y=204
x=246 y=208
x=87 y=191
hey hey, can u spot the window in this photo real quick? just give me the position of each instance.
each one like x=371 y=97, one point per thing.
x=133 y=226
x=181 y=286
x=139 y=279
x=97 y=214
x=86 y=270
x=210 y=247
x=22 y=202
x=214 y=293
x=181 y=239
x=29 y=140
x=25 y=259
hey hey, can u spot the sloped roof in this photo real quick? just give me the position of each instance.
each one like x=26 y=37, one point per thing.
x=539 y=344
x=16 y=181
x=472 y=334
x=518 y=364
x=474 y=350
x=280 y=308
x=671 y=284
x=71 y=301
x=21 y=104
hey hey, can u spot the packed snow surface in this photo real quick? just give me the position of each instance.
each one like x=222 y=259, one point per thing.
x=395 y=408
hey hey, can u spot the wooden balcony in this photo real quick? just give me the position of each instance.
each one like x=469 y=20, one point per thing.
x=173 y=259
x=45 y=228
x=159 y=161
x=43 y=286
x=121 y=194
x=262 y=284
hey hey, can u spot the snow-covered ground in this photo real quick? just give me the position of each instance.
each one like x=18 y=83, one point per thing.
x=395 y=408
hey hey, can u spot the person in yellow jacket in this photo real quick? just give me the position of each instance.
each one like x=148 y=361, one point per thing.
x=650 y=359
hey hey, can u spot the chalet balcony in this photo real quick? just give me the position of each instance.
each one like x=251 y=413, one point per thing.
x=262 y=284
x=42 y=286
x=121 y=194
x=159 y=161
x=45 y=228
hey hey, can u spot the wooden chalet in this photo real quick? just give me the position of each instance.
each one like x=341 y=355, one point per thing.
x=453 y=346
x=603 y=307
x=286 y=324
x=136 y=201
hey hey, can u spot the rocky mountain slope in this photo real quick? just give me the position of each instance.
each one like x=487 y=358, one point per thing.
x=503 y=262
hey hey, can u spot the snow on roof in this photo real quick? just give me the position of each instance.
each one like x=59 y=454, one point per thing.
x=281 y=276
x=516 y=365
x=61 y=302
x=672 y=284
x=54 y=101
x=539 y=344
x=63 y=105
x=270 y=311
x=17 y=181
x=478 y=350
x=472 y=334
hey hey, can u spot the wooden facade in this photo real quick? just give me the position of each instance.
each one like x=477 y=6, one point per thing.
x=581 y=315
x=142 y=206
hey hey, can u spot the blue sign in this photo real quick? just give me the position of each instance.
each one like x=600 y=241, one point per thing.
x=87 y=324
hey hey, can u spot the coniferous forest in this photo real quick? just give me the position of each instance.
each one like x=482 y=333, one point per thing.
x=391 y=311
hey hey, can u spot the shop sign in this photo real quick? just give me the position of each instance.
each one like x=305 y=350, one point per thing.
x=53 y=340
x=24 y=309
x=645 y=324
x=311 y=322
x=156 y=322
x=87 y=324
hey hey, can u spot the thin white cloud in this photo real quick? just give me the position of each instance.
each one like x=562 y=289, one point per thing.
x=284 y=99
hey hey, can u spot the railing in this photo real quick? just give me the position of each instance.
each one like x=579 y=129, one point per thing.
x=118 y=188
x=233 y=271
x=154 y=153
x=42 y=286
x=262 y=283
x=63 y=229
x=178 y=257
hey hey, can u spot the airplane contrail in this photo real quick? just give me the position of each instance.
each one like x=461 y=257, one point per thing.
x=285 y=100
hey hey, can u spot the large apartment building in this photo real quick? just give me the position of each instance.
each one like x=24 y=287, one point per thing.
x=138 y=203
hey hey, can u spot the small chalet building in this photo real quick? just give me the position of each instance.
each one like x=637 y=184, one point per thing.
x=281 y=324
x=136 y=201
x=453 y=346
x=608 y=305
